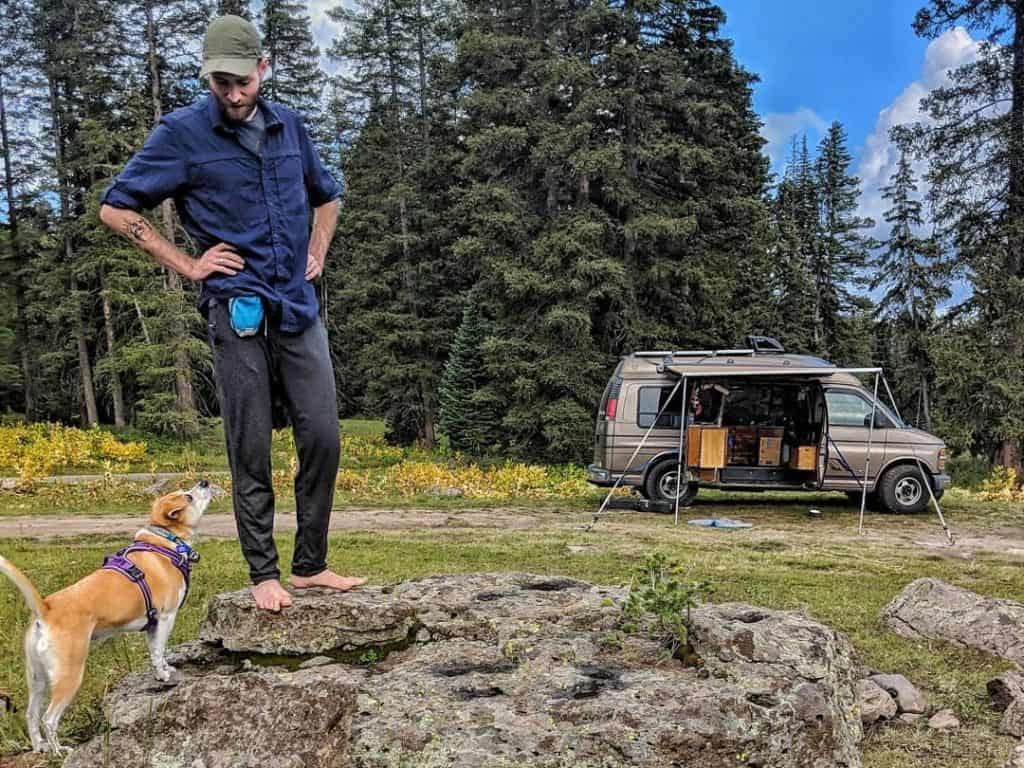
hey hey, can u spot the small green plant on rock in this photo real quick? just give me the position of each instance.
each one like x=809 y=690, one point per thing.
x=659 y=589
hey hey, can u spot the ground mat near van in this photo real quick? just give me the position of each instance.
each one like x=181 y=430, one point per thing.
x=720 y=522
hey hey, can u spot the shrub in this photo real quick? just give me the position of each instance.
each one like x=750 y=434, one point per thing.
x=657 y=590
x=37 y=450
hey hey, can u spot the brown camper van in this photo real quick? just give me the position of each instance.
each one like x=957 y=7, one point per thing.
x=757 y=419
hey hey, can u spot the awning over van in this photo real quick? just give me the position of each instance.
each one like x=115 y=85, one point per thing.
x=718 y=369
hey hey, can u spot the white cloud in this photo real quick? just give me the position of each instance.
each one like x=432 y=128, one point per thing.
x=879 y=156
x=325 y=29
x=780 y=127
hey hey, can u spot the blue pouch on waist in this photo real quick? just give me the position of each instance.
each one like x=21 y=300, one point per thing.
x=246 y=314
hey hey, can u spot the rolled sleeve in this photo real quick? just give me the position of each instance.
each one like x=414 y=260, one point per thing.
x=156 y=172
x=320 y=184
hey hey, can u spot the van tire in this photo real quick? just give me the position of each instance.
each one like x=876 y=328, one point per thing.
x=662 y=477
x=902 y=490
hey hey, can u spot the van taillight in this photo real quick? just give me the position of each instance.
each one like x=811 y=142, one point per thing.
x=611 y=397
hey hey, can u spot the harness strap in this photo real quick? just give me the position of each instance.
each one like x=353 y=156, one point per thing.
x=121 y=564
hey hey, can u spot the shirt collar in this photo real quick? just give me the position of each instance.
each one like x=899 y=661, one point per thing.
x=271 y=119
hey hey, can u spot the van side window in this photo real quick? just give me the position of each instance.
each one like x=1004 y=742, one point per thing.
x=846 y=409
x=651 y=401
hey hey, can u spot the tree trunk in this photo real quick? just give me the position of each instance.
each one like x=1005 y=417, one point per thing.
x=1009 y=450
x=85 y=368
x=84 y=364
x=926 y=412
x=421 y=53
x=21 y=323
x=428 y=431
x=269 y=9
x=184 y=394
x=108 y=326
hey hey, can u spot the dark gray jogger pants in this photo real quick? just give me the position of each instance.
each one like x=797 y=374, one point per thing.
x=247 y=371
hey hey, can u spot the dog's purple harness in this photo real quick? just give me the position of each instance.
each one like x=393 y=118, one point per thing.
x=120 y=563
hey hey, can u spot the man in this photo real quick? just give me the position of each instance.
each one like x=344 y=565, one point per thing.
x=244 y=175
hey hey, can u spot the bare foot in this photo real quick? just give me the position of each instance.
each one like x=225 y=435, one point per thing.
x=271 y=596
x=327 y=579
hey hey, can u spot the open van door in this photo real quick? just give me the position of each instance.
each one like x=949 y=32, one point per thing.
x=820 y=415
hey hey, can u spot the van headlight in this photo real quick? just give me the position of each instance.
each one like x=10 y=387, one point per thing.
x=942 y=459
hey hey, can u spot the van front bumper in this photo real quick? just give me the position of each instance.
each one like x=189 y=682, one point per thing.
x=941 y=482
x=599 y=476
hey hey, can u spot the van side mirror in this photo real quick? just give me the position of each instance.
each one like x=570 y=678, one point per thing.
x=880 y=421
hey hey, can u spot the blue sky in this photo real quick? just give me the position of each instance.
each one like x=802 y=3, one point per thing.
x=855 y=61
x=844 y=60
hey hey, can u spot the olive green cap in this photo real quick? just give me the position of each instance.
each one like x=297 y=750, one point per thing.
x=231 y=45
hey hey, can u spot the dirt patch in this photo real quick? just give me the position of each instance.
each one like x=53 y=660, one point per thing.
x=222 y=526
x=779 y=532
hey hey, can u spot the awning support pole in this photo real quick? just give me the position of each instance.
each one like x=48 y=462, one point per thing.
x=867 y=459
x=924 y=475
x=629 y=464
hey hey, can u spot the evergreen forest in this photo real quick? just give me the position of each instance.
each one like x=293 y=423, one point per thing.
x=533 y=188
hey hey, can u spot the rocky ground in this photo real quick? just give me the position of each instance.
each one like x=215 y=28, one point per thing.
x=488 y=670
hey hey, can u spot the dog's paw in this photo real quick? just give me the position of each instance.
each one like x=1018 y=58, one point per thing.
x=164 y=673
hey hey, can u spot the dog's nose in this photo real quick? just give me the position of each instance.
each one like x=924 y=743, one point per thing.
x=203 y=484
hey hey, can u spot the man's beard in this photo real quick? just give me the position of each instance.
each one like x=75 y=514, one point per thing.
x=237 y=114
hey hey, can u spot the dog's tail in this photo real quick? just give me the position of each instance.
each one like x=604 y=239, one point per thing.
x=31 y=594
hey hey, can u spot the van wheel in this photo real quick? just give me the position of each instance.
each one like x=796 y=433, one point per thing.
x=662 y=485
x=902 y=490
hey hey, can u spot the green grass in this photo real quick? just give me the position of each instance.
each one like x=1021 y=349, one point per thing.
x=786 y=561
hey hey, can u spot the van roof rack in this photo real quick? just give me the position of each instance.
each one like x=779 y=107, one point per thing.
x=695 y=353
x=758 y=345
x=765 y=345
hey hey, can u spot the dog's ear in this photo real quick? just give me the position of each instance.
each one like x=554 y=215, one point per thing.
x=170 y=507
x=175 y=512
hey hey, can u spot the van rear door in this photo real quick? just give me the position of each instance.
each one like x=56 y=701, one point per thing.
x=604 y=426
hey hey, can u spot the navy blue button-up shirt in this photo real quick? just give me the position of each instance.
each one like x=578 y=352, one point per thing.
x=224 y=193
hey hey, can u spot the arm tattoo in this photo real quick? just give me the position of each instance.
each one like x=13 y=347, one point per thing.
x=137 y=229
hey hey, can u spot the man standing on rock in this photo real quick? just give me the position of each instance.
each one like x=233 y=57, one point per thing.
x=244 y=176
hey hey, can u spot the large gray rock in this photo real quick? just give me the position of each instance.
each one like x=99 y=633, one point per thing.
x=228 y=720
x=944 y=720
x=932 y=609
x=875 y=702
x=1012 y=723
x=324 y=622
x=1017 y=758
x=1004 y=689
x=1007 y=694
x=526 y=671
x=908 y=699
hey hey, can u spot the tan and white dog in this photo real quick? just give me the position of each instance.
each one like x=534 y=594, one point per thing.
x=103 y=604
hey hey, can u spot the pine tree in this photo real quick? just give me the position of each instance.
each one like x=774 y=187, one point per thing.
x=397 y=302
x=467 y=411
x=906 y=270
x=79 y=47
x=839 y=254
x=235 y=8
x=295 y=76
x=20 y=94
x=975 y=147
x=795 y=234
